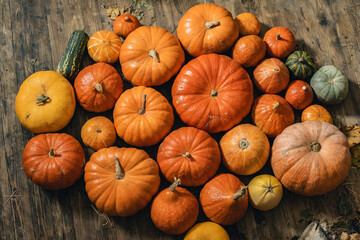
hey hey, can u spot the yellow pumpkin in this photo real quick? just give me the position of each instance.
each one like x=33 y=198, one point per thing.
x=45 y=102
x=207 y=230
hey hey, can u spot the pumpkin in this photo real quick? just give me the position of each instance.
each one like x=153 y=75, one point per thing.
x=189 y=154
x=150 y=56
x=249 y=50
x=142 y=116
x=299 y=94
x=248 y=24
x=224 y=199
x=45 y=102
x=280 y=42
x=174 y=209
x=330 y=85
x=53 y=160
x=212 y=92
x=104 y=46
x=271 y=76
x=245 y=149
x=98 y=132
x=207 y=28
x=207 y=230
x=272 y=114
x=125 y=24
x=316 y=113
x=97 y=87
x=121 y=181
x=314 y=162
x=301 y=64
x=265 y=192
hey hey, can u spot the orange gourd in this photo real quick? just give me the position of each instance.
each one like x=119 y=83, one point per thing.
x=125 y=24
x=299 y=94
x=249 y=50
x=248 y=24
x=316 y=113
x=280 y=42
x=104 y=46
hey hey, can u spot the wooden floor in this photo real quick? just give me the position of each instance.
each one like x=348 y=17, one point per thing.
x=33 y=36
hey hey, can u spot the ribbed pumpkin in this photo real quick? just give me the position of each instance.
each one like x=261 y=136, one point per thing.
x=301 y=64
x=249 y=50
x=248 y=24
x=150 y=56
x=121 y=181
x=207 y=28
x=125 y=24
x=316 y=113
x=271 y=76
x=97 y=87
x=142 y=116
x=212 y=92
x=207 y=230
x=314 y=162
x=272 y=114
x=189 y=154
x=280 y=42
x=299 y=94
x=104 y=46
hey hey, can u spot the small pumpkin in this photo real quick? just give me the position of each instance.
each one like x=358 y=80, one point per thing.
x=98 y=86
x=245 y=149
x=265 y=192
x=280 y=42
x=189 y=154
x=104 y=46
x=272 y=114
x=53 y=161
x=301 y=64
x=125 y=24
x=316 y=113
x=174 y=210
x=299 y=94
x=142 y=116
x=207 y=230
x=224 y=199
x=330 y=85
x=121 y=181
x=248 y=24
x=249 y=50
x=207 y=28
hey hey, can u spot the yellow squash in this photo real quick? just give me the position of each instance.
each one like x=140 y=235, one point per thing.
x=207 y=231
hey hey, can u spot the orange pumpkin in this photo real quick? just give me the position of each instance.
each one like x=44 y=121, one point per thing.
x=272 y=114
x=142 y=116
x=271 y=76
x=97 y=87
x=224 y=199
x=316 y=113
x=189 y=154
x=125 y=24
x=249 y=50
x=248 y=24
x=121 y=181
x=280 y=42
x=104 y=46
x=150 y=56
x=53 y=160
x=299 y=94
x=212 y=92
x=245 y=149
x=207 y=28
x=174 y=209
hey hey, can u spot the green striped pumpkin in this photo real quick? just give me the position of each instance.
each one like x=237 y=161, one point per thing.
x=300 y=64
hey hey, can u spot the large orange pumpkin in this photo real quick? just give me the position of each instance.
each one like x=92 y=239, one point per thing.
x=316 y=113
x=299 y=94
x=125 y=24
x=212 y=92
x=248 y=24
x=150 y=56
x=280 y=42
x=121 y=181
x=207 y=28
x=311 y=158
x=104 y=46
x=189 y=154
x=249 y=50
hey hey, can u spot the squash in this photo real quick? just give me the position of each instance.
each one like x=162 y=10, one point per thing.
x=207 y=230
x=142 y=116
x=330 y=85
x=271 y=76
x=98 y=132
x=280 y=42
x=150 y=56
x=69 y=65
x=174 y=209
x=245 y=149
x=299 y=94
x=104 y=46
x=249 y=50
x=212 y=92
x=272 y=114
x=265 y=192
x=316 y=113
x=125 y=24
x=207 y=28
x=45 y=102
x=53 y=161
x=224 y=199
x=301 y=64
x=98 y=86
x=189 y=154
x=248 y=24
x=121 y=181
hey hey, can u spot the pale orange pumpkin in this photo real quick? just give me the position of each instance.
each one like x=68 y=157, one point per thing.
x=316 y=113
x=249 y=50
x=248 y=24
x=104 y=46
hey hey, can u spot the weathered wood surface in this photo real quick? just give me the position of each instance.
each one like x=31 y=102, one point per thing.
x=33 y=36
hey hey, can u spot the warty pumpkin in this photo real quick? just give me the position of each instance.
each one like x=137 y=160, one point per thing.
x=104 y=46
x=249 y=50
x=248 y=24
x=207 y=230
x=280 y=42
x=299 y=94
x=301 y=64
x=125 y=24
x=316 y=113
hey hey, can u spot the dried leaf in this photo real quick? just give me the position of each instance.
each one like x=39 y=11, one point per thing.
x=344 y=205
x=352 y=132
x=355 y=155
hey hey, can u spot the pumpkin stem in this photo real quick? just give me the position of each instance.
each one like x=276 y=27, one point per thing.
x=119 y=173
x=176 y=183
x=187 y=155
x=98 y=130
x=142 y=110
x=214 y=93
x=278 y=36
x=276 y=69
x=240 y=193
x=127 y=18
x=209 y=25
x=276 y=105
x=244 y=144
x=42 y=99
x=154 y=54
x=269 y=189
x=99 y=87
x=315 y=147
x=301 y=60
x=52 y=152
x=304 y=88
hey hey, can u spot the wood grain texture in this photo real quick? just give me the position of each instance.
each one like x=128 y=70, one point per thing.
x=33 y=37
